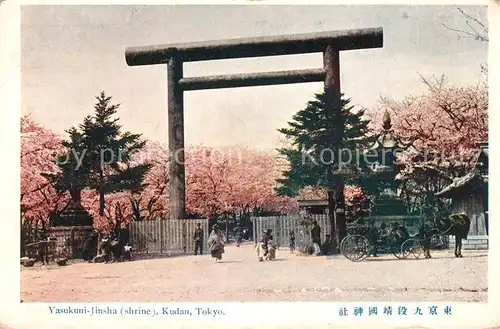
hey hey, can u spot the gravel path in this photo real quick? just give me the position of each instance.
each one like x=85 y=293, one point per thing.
x=240 y=277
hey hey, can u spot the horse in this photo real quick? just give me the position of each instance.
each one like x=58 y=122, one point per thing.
x=457 y=224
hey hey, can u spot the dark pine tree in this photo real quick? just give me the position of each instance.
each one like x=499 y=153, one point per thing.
x=99 y=156
x=326 y=140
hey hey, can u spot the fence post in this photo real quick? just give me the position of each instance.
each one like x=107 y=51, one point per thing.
x=72 y=239
x=278 y=231
x=184 y=240
x=161 y=235
x=254 y=229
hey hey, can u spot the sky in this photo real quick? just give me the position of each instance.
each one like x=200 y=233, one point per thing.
x=72 y=53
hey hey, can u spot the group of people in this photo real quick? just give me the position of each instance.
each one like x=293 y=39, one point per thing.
x=320 y=248
x=394 y=235
x=266 y=249
x=110 y=248
x=215 y=242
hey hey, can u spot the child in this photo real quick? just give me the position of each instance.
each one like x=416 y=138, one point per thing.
x=128 y=251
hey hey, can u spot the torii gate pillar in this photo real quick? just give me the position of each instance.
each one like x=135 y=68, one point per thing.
x=175 y=55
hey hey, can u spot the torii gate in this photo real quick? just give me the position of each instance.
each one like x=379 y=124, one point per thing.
x=175 y=55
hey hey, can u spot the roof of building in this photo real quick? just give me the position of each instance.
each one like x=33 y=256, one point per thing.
x=312 y=193
x=307 y=203
x=460 y=184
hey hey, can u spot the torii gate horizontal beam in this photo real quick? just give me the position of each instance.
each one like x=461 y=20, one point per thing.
x=252 y=79
x=174 y=55
x=256 y=47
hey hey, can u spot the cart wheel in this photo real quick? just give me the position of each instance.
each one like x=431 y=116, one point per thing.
x=342 y=243
x=411 y=248
x=355 y=247
x=398 y=254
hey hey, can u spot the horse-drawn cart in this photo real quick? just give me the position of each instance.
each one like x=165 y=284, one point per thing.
x=362 y=241
x=435 y=229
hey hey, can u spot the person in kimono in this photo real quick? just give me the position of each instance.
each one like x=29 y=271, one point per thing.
x=216 y=243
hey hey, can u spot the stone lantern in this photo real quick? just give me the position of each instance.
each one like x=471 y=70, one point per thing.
x=381 y=158
x=382 y=154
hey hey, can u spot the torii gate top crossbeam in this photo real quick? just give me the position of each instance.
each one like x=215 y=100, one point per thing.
x=256 y=47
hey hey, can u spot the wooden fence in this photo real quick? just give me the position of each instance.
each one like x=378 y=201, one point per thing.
x=166 y=236
x=57 y=242
x=283 y=225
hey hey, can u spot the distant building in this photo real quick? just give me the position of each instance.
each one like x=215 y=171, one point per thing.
x=313 y=200
x=469 y=193
x=313 y=207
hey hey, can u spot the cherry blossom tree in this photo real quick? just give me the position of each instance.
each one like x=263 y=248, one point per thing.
x=233 y=182
x=39 y=150
x=152 y=201
x=117 y=212
x=446 y=119
x=446 y=123
x=227 y=182
x=253 y=182
x=207 y=173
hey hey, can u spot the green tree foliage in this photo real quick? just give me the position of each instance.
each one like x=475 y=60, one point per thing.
x=326 y=138
x=99 y=156
x=325 y=144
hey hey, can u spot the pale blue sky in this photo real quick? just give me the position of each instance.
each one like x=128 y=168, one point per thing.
x=71 y=53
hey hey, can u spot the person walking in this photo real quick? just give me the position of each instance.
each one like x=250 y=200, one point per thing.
x=292 y=240
x=316 y=238
x=198 y=240
x=216 y=243
x=238 y=233
x=262 y=246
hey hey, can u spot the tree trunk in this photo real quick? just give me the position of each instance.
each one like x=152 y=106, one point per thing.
x=101 y=201
x=340 y=211
x=331 y=217
x=76 y=195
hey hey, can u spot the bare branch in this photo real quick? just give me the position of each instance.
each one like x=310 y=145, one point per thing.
x=471 y=17
x=476 y=35
x=460 y=31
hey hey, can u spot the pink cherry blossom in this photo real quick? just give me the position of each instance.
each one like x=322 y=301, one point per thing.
x=39 y=149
